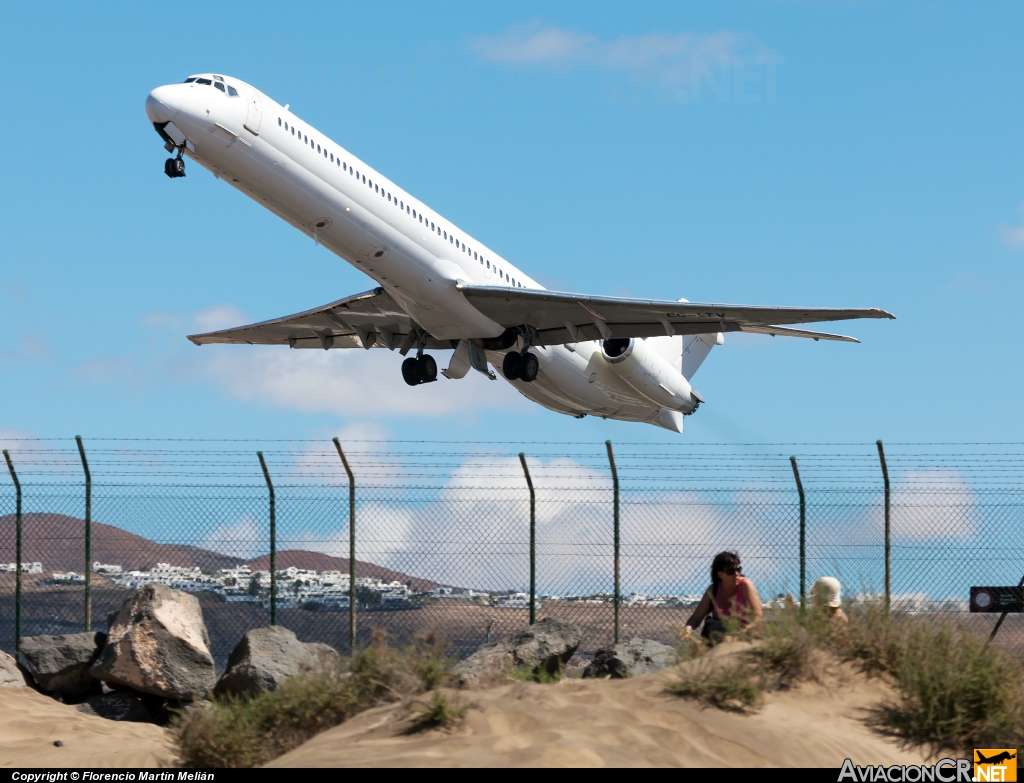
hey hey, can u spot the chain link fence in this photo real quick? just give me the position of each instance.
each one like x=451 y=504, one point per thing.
x=449 y=551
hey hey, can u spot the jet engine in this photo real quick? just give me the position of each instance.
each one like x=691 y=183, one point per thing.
x=650 y=374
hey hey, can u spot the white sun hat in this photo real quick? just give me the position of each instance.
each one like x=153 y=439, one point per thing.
x=828 y=591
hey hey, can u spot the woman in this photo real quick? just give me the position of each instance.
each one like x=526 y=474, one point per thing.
x=730 y=596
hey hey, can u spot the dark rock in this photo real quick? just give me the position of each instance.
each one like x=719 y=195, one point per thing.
x=546 y=646
x=157 y=644
x=265 y=657
x=631 y=659
x=117 y=705
x=61 y=663
x=58 y=744
x=11 y=675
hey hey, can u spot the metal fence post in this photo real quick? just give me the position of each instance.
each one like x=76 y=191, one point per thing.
x=888 y=551
x=17 y=553
x=88 y=534
x=533 y=541
x=351 y=550
x=273 y=541
x=615 y=484
x=803 y=535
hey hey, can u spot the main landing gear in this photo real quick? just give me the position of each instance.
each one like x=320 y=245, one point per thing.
x=421 y=369
x=175 y=167
x=522 y=366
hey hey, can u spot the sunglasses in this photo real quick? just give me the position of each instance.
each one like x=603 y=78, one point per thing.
x=732 y=570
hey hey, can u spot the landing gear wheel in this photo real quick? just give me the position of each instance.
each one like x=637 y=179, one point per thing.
x=410 y=372
x=174 y=167
x=427 y=368
x=510 y=366
x=419 y=370
x=529 y=366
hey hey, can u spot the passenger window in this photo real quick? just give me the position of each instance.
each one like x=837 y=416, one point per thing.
x=279 y=122
x=293 y=130
x=232 y=91
x=488 y=264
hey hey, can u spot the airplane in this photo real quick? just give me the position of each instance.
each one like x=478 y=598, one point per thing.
x=439 y=288
x=996 y=759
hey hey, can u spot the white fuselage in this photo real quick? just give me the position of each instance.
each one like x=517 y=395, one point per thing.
x=271 y=155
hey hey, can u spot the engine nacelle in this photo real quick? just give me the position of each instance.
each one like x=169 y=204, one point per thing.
x=648 y=373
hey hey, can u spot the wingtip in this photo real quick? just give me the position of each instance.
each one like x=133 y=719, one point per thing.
x=884 y=313
x=194 y=339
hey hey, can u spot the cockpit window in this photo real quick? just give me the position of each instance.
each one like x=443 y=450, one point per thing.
x=219 y=86
x=204 y=81
x=190 y=79
x=232 y=91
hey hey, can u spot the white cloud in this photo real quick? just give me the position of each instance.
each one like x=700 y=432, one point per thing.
x=246 y=538
x=933 y=504
x=474 y=531
x=14 y=440
x=676 y=60
x=222 y=316
x=1013 y=236
x=351 y=383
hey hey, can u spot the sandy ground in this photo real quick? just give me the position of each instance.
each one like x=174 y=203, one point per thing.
x=633 y=722
x=30 y=723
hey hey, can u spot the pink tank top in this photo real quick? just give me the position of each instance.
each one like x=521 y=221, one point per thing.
x=736 y=608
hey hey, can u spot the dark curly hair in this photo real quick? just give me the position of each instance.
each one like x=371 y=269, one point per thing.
x=723 y=562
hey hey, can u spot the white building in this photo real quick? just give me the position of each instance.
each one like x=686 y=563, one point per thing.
x=71 y=577
x=26 y=568
x=104 y=568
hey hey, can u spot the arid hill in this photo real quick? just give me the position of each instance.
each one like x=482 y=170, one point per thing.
x=318 y=561
x=58 y=542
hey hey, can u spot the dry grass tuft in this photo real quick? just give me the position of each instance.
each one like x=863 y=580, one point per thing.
x=441 y=712
x=250 y=732
x=953 y=690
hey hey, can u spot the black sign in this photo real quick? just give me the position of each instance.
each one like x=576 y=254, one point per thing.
x=997 y=599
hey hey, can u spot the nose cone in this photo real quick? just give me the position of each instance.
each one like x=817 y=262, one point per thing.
x=163 y=103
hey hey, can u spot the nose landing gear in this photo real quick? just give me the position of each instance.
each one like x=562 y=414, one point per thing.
x=421 y=369
x=175 y=167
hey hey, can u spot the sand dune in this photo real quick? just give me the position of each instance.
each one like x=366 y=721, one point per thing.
x=620 y=723
x=30 y=722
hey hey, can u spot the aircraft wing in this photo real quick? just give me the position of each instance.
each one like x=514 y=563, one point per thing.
x=360 y=321
x=565 y=318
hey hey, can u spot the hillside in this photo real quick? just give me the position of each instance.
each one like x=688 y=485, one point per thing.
x=318 y=561
x=57 y=541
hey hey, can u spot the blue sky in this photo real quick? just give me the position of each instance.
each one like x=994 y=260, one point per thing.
x=794 y=153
